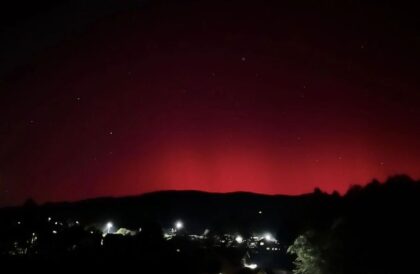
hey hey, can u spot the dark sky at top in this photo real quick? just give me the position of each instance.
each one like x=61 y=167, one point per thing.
x=122 y=97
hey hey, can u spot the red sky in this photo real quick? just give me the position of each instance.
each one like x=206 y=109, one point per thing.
x=217 y=96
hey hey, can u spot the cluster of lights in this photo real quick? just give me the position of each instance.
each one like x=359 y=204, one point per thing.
x=179 y=225
x=260 y=239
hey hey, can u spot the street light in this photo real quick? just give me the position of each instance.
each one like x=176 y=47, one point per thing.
x=268 y=237
x=179 y=225
x=109 y=225
x=239 y=239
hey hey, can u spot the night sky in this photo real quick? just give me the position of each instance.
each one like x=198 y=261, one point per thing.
x=110 y=98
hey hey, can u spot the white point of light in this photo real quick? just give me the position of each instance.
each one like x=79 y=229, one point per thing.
x=268 y=237
x=239 y=239
x=179 y=225
x=109 y=225
x=54 y=231
x=251 y=266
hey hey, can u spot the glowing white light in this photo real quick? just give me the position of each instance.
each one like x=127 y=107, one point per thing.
x=179 y=225
x=54 y=231
x=269 y=248
x=178 y=250
x=109 y=225
x=239 y=239
x=260 y=212
x=261 y=243
x=251 y=266
x=49 y=219
x=268 y=237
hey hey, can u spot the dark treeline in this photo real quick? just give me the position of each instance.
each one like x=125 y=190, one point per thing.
x=372 y=229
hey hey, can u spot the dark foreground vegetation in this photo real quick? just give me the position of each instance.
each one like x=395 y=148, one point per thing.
x=371 y=229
